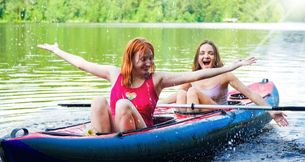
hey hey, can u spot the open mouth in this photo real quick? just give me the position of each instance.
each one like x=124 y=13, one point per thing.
x=206 y=62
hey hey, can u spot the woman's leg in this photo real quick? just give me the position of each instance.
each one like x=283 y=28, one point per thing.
x=192 y=98
x=181 y=99
x=127 y=116
x=101 y=119
x=204 y=99
x=197 y=97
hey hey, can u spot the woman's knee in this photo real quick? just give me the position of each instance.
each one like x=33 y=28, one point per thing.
x=181 y=97
x=181 y=93
x=100 y=104
x=123 y=107
x=192 y=91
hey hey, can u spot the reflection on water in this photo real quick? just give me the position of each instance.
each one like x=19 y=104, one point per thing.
x=33 y=82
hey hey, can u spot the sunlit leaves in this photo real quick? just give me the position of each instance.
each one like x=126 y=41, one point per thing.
x=140 y=10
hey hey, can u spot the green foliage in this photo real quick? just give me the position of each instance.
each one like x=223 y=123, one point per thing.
x=2 y=8
x=140 y=10
x=149 y=11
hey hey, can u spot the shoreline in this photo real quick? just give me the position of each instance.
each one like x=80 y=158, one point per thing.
x=282 y=26
x=252 y=26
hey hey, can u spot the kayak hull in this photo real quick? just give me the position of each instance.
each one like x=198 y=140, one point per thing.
x=187 y=133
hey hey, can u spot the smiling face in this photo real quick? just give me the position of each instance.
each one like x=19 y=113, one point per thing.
x=142 y=63
x=137 y=60
x=206 y=57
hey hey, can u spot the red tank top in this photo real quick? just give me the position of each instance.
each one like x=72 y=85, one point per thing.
x=144 y=98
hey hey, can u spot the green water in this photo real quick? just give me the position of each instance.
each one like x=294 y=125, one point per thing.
x=28 y=72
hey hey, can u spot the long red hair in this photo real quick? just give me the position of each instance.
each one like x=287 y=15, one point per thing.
x=136 y=45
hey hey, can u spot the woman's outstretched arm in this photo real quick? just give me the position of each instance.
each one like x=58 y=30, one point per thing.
x=107 y=72
x=277 y=116
x=168 y=79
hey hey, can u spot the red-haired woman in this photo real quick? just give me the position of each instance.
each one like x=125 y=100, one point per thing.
x=135 y=86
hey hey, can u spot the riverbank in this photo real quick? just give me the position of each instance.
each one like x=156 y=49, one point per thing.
x=288 y=26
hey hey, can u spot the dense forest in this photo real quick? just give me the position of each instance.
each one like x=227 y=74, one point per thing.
x=139 y=10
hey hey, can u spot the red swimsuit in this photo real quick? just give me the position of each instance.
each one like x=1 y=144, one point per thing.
x=144 y=98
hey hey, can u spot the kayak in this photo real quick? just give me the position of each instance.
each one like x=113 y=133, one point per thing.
x=172 y=135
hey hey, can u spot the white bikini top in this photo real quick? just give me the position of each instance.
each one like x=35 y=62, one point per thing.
x=218 y=94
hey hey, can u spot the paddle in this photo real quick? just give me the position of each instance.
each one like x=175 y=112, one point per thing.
x=201 y=106
x=240 y=107
x=75 y=105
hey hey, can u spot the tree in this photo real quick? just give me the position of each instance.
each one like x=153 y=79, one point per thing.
x=2 y=8
x=15 y=10
x=140 y=10
x=150 y=11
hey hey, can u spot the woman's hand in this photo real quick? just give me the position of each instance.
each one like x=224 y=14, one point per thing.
x=247 y=61
x=279 y=118
x=49 y=47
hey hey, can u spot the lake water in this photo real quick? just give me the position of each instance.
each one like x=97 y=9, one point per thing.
x=33 y=82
